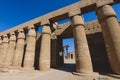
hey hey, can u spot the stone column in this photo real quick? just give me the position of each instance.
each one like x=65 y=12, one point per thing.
x=83 y=59
x=111 y=30
x=4 y=48
x=10 y=51
x=44 y=61
x=19 y=51
x=30 y=50
x=0 y=47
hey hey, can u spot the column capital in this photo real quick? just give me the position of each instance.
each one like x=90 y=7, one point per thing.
x=20 y=30
x=5 y=39
x=21 y=34
x=12 y=36
x=46 y=29
x=77 y=20
x=104 y=12
x=32 y=32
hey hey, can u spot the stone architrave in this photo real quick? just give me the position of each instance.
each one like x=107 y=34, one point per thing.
x=111 y=30
x=30 y=49
x=44 y=60
x=19 y=51
x=10 y=51
x=83 y=59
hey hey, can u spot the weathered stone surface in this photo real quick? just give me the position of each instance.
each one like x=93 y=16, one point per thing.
x=83 y=59
x=111 y=29
x=19 y=51
x=44 y=61
x=30 y=50
x=84 y=5
x=4 y=48
x=10 y=51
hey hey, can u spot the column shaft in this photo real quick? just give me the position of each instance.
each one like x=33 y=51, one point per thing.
x=111 y=29
x=18 y=57
x=44 y=61
x=30 y=50
x=10 y=51
x=83 y=59
x=4 y=49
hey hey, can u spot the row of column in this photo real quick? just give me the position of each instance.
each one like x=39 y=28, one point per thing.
x=111 y=30
x=13 y=52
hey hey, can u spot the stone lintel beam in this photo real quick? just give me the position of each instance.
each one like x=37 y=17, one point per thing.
x=63 y=13
x=44 y=21
x=73 y=12
x=100 y=3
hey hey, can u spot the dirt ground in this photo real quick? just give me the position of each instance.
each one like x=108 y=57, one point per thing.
x=63 y=73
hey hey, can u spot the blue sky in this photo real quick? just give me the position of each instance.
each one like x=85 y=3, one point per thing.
x=15 y=12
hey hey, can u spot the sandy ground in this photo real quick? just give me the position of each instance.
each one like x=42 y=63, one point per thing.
x=62 y=73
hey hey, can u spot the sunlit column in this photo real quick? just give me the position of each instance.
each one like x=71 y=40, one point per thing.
x=18 y=57
x=30 y=49
x=4 y=48
x=10 y=50
x=83 y=59
x=44 y=61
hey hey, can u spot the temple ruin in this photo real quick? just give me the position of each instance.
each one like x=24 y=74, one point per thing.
x=97 y=43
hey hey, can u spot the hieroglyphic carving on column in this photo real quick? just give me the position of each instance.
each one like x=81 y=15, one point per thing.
x=4 y=48
x=83 y=59
x=107 y=16
x=44 y=61
x=19 y=51
x=10 y=51
x=30 y=49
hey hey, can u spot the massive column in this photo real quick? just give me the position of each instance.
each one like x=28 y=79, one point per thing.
x=30 y=49
x=10 y=51
x=111 y=30
x=44 y=61
x=19 y=51
x=4 y=48
x=83 y=59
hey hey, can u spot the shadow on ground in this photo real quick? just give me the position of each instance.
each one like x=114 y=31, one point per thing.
x=67 y=67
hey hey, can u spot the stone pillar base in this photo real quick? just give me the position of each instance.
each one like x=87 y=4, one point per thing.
x=84 y=74
x=27 y=69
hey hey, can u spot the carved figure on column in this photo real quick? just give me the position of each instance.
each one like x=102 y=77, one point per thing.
x=83 y=59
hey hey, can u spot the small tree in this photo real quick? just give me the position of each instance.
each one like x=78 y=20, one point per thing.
x=66 y=48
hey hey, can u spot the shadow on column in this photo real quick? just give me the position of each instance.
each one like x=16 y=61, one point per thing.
x=37 y=51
